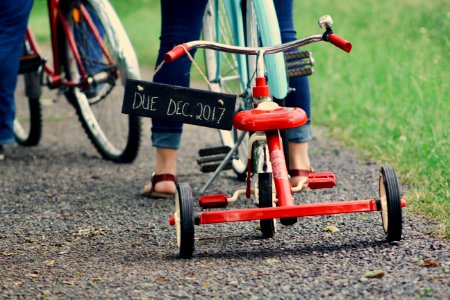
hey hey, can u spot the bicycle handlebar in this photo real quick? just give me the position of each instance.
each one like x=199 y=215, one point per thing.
x=180 y=50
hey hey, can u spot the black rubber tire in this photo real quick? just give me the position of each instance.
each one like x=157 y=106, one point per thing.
x=29 y=133
x=121 y=145
x=265 y=200
x=391 y=210
x=184 y=220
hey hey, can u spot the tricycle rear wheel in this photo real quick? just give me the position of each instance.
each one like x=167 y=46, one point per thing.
x=184 y=220
x=391 y=210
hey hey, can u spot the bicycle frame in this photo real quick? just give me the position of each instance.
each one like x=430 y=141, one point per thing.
x=55 y=78
x=268 y=23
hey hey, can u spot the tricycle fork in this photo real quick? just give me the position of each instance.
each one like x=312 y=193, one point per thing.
x=280 y=174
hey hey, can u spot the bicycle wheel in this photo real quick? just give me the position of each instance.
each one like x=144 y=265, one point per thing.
x=226 y=72
x=264 y=187
x=103 y=72
x=28 y=121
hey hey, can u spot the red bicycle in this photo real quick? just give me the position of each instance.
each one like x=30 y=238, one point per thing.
x=91 y=59
x=268 y=181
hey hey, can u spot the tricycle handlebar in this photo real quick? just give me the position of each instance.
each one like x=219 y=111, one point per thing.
x=340 y=42
x=325 y=22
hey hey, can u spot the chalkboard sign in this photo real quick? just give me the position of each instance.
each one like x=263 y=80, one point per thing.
x=186 y=105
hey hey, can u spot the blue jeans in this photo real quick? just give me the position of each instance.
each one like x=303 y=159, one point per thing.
x=182 y=22
x=13 y=23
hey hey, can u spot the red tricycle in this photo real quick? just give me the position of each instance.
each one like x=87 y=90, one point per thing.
x=267 y=182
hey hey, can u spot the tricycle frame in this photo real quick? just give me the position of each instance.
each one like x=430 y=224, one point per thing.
x=265 y=122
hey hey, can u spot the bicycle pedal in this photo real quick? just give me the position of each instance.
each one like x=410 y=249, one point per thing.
x=210 y=158
x=211 y=167
x=213 y=151
x=300 y=72
x=30 y=63
x=299 y=63
x=289 y=56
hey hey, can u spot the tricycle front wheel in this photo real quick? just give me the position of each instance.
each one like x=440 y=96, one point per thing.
x=265 y=200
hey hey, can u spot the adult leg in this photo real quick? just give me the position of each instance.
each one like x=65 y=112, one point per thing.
x=298 y=137
x=181 y=22
x=13 y=22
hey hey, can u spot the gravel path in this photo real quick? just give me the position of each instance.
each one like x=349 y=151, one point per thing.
x=74 y=226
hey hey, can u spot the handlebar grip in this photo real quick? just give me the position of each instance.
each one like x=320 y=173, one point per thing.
x=176 y=53
x=340 y=42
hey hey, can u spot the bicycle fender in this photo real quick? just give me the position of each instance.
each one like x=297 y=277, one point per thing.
x=270 y=35
x=120 y=43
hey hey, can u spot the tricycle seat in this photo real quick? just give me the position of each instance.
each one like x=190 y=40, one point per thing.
x=272 y=119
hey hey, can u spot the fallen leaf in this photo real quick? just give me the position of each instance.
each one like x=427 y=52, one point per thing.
x=92 y=231
x=190 y=278
x=49 y=262
x=374 y=274
x=9 y=253
x=205 y=284
x=69 y=282
x=96 y=278
x=429 y=263
x=426 y=292
x=272 y=261
x=161 y=280
x=331 y=228
x=18 y=283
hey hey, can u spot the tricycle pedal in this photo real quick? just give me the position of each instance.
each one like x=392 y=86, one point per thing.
x=213 y=201
x=214 y=151
x=321 y=180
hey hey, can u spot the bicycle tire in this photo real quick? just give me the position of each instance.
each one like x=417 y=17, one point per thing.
x=227 y=72
x=115 y=136
x=28 y=121
x=244 y=31
x=263 y=30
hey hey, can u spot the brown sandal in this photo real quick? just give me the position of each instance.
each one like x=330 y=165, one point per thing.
x=158 y=178
x=301 y=173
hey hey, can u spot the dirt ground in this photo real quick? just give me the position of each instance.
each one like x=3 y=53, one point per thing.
x=74 y=226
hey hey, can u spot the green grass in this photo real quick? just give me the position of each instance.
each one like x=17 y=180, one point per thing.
x=389 y=98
